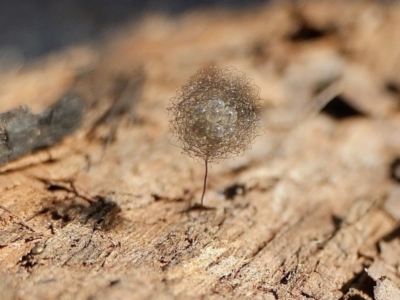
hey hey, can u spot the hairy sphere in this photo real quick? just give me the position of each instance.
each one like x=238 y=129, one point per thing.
x=215 y=115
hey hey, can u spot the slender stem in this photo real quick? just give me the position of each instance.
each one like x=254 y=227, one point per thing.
x=205 y=181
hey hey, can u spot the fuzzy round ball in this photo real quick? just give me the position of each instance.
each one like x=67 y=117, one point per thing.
x=215 y=114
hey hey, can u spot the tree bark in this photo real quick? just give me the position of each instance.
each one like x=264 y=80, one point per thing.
x=310 y=212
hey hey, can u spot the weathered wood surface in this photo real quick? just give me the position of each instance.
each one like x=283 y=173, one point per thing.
x=106 y=216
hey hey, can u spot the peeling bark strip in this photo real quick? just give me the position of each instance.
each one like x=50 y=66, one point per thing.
x=22 y=132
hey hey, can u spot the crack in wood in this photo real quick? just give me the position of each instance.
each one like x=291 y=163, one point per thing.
x=20 y=221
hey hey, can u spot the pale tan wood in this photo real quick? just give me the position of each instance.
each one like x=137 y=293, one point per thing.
x=80 y=221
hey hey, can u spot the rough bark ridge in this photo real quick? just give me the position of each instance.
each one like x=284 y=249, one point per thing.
x=309 y=213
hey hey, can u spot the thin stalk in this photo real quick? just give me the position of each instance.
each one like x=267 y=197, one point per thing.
x=205 y=181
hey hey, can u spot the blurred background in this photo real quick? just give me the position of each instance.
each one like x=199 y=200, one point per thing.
x=31 y=28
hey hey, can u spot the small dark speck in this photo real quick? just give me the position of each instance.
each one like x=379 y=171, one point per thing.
x=156 y=197
x=306 y=32
x=395 y=169
x=339 y=108
x=393 y=87
x=232 y=191
x=337 y=221
x=114 y=282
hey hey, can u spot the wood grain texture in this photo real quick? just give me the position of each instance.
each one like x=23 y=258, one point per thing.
x=105 y=214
